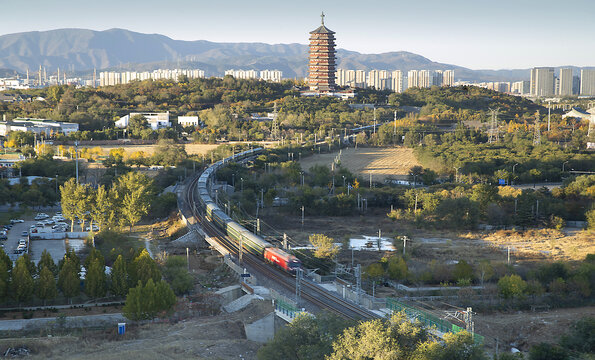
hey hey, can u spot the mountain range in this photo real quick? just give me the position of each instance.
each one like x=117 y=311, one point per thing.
x=80 y=51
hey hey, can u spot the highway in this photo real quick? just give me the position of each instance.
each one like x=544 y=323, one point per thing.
x=310 y=291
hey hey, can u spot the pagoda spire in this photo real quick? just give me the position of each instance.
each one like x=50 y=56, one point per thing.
x=322 y=18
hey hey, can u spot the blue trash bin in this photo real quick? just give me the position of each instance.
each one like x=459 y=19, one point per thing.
x=121 y=328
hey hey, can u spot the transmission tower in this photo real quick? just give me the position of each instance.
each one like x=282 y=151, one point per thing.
x=493 y=133
x=537 y=132
x=275 y=132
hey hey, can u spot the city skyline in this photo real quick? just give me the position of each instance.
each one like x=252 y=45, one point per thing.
x=505 y=35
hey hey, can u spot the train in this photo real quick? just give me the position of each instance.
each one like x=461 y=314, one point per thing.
x=250 y=242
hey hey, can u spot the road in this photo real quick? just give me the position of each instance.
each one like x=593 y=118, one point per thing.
x=71 y=321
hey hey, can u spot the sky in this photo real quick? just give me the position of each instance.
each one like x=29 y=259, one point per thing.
x=478 y=34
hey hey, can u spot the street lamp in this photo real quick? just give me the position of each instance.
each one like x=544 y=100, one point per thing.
x=302 y=175
x=513 y=166
x=242 y=182
x=564 y=163
x=343 y=180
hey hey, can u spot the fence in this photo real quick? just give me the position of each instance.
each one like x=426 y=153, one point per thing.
x=428 y=319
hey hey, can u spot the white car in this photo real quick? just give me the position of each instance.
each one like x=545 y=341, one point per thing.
x=95 y=228
x=39 y=224
x=59 y=218
x=16 y=221
x=41 y=216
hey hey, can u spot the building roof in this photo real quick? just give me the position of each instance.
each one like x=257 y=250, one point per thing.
x=576 y=113
x=322 y=29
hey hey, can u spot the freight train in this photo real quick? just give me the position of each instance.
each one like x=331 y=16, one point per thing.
x=251 y=243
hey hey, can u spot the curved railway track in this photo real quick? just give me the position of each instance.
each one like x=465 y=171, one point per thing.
x=309 y=290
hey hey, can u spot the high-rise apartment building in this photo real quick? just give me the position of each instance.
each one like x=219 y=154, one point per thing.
x=448 y=78
x=271 y=75
x=588 y=82
x=542 y=81
x=321 y=75
x=412 y=80
x=424 y=78
x=360 y=79
x=520 y=87
x=438 y=78
x=396 y=81
x=565 y=82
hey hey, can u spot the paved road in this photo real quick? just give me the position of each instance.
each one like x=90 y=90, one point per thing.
x=71 y=321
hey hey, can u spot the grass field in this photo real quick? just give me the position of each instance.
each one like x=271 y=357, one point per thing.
x=382 y=163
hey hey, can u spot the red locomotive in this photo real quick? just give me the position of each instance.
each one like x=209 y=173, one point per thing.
x=282 y=259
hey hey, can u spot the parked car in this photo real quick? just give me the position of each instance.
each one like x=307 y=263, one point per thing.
x=39 y=224
x=16 y=221
x=3 y=237
x=95 y=228
x=49 y=222
x=25 y=233
x=7 y=227
x=41 y=216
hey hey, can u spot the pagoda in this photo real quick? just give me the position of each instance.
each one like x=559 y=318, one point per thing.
x=322 y=63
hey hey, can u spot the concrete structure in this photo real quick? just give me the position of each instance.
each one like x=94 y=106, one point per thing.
x=321 y=76
x=424 y=78
x=438 y=78
x=188 y=120
x=565 y=81
x=587 y=82
x=360 y=79
x=378 y=79
x=578 y=114
x=38 y=126
x=542 y=81
x=156 y=120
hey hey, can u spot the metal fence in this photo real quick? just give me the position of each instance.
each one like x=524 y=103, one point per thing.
x=428 y=319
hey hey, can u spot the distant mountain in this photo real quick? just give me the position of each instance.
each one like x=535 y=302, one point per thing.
x=80 y=50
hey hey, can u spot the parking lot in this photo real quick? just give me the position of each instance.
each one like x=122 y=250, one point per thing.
x=56 y=248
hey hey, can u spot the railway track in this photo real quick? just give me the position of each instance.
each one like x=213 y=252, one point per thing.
x=309 y=290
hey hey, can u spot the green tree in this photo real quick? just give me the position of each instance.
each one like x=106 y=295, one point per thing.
x=69 y=281
x=95 y=279
x=485 y=271
x=459 y=346
x=47 y=261
x=68 y=201
x=136 y=124
x=22 y=281
x=375 y=271
x=397 y=268
x=546 y=351
x=177 y=274
x=100 y=208
x=5 y=259
x=143 y=268
x=4 y=281
x=119 y=277
x=324 y=246
x=46 y=285
x=306 y=337
x=463 y=271
x=133 y=309
x=144 y=302
x=165 y=299
x=511 y=286
x=134 y=207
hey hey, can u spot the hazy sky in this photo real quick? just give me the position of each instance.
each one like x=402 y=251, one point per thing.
x=479 y=34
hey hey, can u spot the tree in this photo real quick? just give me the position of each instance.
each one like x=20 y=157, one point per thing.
x=375 y=271
x=397 y=268
x=485 y=271
x=4 y=281
x=511 y=286
x=463 y=271
x=68 y=279
x=5 y=259
x=133 y=309
x=95 y=279
x=22 y=281
x=177 y=274
x=46 y=285
x=546 y=351
x=68 y=201
x=84 y=198
x=324 y=246
x=47 y=261
x=144 y=268
x=136 y=124
x=119 y=277
x=100 y=209
x=134 y=207
x=144 y=302
x=459 y=346
x=135 y=191
x=396 y=338
x=306 y=337
x=165 y=299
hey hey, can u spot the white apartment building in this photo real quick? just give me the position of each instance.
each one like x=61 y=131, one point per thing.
x=108 y=78
x=156 y=120
x=587 y=82
x=188 y=120
x=565 y=81
x=424 y=78
x=448 y=78
x=242 y=74
x=360 y=79
x=396 y=81
x=271 y=75
x=412 y=80
x=520 y=87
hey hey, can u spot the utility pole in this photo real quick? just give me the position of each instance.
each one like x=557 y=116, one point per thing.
x=405 y=239
x=493 y=135
x=374 y=120
x=76 y=161
x=358 y=280
x=395 y=128
x=298 y=284
x=302 y=217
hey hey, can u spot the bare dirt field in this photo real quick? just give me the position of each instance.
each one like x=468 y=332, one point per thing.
x=201 y=337
x=380 y=162
x=191 y=149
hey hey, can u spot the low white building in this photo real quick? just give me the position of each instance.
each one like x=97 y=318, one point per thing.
x=188 y=120
x=38 y=126
x=577 y=113
x=156 y=120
